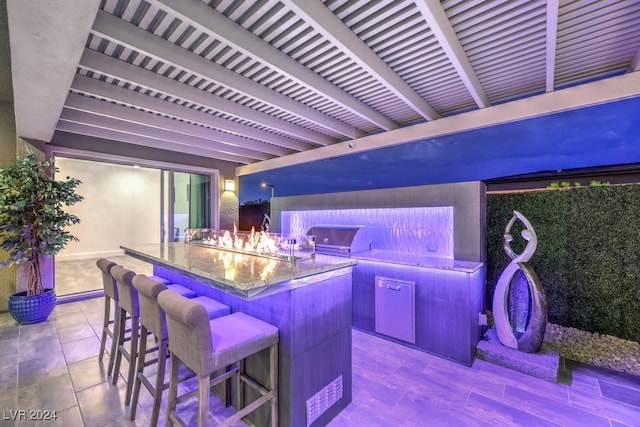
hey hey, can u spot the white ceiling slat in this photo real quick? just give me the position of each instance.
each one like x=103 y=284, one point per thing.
x=210 y=21
x=507 y=15
x=532 y=29
x=134 y=128
x=587 y=31
x=372 y=31
x=109 y=134
x=340 y=35
x=618 y=43
x=602 y=11
x=594 y=64
x=371 y=15
x=464 y=9
x=413 y=39
x=128 y=114
x=437 y=19
x=601 y=55
x=95 y=87
x=124 y=33
x=107 y=65
x=407 y=28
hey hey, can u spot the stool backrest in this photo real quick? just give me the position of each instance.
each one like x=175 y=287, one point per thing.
x=152 y=316
x=127 y=294
x=108 y=282
x=189 y=331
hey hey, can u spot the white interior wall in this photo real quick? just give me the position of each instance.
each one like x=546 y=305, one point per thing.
x=121 y=206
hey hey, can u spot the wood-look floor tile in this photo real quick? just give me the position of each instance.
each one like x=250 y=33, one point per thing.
x=373 y=413
x=614 y=410
x=429 y=409
x=630 y=396
x=581 y=383
x=468 y=379
x=437 y=392
x=367 y=385
x=551 y=409
x=604 y=374
x=375 y=361
x=512 y=378
x=500 y=414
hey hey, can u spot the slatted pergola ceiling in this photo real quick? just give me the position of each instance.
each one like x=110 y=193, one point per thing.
x=252 y=80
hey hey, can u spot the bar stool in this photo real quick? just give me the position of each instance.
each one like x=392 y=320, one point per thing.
x=153 y=319
x=110 y=294
x=128 y=297
x=206 y=346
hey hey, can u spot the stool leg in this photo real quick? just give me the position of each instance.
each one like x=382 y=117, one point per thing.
x=273 y=374
x=238 y=384
x=173 y=390
x=142 y=352
x=105 y=326
x=203 y=400
x=122 y=317
x=115 y=338
x=133 y=357
x=157 y=399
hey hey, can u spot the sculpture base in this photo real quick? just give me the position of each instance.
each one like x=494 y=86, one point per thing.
x=545 y=364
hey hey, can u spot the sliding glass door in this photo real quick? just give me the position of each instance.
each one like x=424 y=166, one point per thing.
x=128 y=204
x=186 y=204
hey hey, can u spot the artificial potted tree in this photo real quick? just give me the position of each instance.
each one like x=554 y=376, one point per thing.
x=33 y=226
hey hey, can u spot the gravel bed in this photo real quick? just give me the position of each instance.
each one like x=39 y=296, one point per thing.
x=595 y=349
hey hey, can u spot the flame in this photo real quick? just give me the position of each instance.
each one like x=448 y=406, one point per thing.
x=259 y=243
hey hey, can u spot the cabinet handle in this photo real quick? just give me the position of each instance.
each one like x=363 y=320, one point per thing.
x=394 y=288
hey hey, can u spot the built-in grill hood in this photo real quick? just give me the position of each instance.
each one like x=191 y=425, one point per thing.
x=341 y=239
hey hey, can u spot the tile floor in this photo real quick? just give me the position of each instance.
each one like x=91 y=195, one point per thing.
x=54 y=366
x=81 y=275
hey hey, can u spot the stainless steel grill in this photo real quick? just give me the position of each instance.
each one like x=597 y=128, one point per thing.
x=341 y=239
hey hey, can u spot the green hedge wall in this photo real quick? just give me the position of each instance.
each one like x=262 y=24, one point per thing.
x=588 y=255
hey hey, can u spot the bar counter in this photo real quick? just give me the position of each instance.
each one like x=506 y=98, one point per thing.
x=310 y=302
x=248 y=276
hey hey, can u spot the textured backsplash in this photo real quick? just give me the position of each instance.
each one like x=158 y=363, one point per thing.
x=419 y=230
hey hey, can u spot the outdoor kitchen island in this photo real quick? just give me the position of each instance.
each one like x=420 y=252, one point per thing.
x=310 y=302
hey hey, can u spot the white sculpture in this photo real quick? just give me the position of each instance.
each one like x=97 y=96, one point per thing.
x=530 y=340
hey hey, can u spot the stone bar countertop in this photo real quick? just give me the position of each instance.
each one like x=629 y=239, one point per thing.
x=246 y=275
x=424 y=261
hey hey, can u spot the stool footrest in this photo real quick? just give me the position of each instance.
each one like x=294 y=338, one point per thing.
x=214 y=381
x=253 y=384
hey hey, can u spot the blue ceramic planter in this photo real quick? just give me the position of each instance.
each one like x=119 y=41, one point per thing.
x=32 y=309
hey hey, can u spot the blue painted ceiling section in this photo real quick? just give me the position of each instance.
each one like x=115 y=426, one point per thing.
x=601 y=135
